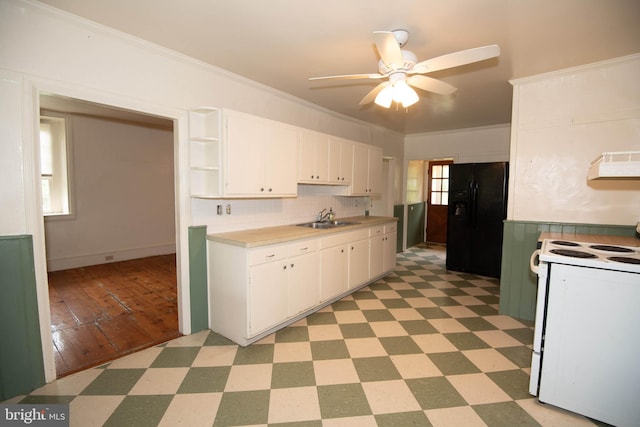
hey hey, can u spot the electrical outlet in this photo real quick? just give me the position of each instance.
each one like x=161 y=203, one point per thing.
x=228 y=209
x=219 y=209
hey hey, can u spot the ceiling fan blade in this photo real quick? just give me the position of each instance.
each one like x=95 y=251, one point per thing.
x=372 y=95
x=431 y=85
x=456 y=59
x=349 y=76
x=389 y=49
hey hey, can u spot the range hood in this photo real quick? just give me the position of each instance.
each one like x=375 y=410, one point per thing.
x=616 y=164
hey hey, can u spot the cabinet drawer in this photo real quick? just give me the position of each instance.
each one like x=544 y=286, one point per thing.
x=302 y=247
x=376 y=231
x=344 y=238
x=267 y=254
x=390 y=228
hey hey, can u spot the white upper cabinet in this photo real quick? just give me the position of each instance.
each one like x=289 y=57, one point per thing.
x=367 y=170
x=340 y=161
x=313 y=158
x=261 y=157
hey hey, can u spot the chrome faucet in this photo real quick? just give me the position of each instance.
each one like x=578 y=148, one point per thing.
x=325 y=216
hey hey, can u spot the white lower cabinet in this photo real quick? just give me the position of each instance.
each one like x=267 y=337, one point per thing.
x=255 y=291
x=389 y=247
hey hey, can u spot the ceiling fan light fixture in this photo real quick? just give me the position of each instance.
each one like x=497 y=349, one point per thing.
x=403 y=94
x=385 y=96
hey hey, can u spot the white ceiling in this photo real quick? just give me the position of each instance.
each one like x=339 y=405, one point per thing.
x=281 y=43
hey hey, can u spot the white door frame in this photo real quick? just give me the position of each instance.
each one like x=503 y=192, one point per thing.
x=32 y=88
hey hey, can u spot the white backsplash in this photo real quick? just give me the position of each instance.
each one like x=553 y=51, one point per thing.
x=257 y=213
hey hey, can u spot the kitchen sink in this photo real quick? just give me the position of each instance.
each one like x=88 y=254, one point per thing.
x=326 y=224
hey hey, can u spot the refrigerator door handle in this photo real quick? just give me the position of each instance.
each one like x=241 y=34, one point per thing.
x=474 y=203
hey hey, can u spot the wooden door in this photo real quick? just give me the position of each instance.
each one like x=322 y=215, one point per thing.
x=438 y=201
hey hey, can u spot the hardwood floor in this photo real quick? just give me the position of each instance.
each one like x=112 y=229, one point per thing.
x=102 y=312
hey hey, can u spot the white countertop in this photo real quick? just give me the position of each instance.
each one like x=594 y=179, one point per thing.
x=285 y=233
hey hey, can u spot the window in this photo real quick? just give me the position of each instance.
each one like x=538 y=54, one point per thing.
x=415 y=178
x=54 y=171
x=440 y=184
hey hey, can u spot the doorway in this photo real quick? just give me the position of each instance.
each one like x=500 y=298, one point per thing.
x=111 y=257
x=437 y=201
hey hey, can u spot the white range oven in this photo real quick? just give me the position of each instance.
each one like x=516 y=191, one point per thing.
x=586 y=349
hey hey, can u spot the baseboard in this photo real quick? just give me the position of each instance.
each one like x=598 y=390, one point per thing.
x=55 y=264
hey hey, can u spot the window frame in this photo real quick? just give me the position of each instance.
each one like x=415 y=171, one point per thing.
x=52 y=116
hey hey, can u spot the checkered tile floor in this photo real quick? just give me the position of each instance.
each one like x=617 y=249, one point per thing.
x=423 y=346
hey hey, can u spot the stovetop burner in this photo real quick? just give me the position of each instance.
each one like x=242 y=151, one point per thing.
x=625 y=259
x=609 y=248
x=565 y=243
x=572 y=253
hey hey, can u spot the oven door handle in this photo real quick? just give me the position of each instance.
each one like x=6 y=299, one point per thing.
x=534 y=261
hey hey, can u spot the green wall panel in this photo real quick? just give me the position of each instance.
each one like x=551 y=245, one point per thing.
x=198 y=278
x=21 y=364
x=415 y=224
x=398 y=212
x=518 y=285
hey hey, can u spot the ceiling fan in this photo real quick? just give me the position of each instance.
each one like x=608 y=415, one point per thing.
x=402 y=70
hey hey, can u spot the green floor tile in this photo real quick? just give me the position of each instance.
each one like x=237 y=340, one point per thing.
x=205 y=380
x=520 y=356
x=364 y=294
x=376 y=369
x=422 y=285
x=435 y=392
x=344 y=305
x=489 y=299
x=524 y=335
x=395 y=303
x=454 y=292
x=483 y=310
x=393 y=279
x=403 y=419
x=409 y=293
x=379 y=286
x=378 y=315
x=402 y=273
x=333 y=349
x=466 y=341
x=243 y=408
x=139 y=411
x=418 y=327
x=114 y=382
x=433 y=313
x=461 y=284
x=217 y=339
x=357 y=330
x=175 y=357
x=293 y=374
x=254 y=354
x=322 y=318
x=400 y=345
x=453 y=363
x=444 y=301
x=515 y=383
x=505 y=414
x=293 y=334
x=343 y=400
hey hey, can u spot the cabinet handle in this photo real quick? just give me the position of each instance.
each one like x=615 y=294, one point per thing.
x=262 y=189
x=291 y=265
x=305 y=248
x=270 y=189
x=342 y=251
x=271 y=256
x=284 y=268
x=312 y=176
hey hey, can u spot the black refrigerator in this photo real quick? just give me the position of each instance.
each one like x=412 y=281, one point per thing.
x=477 y=208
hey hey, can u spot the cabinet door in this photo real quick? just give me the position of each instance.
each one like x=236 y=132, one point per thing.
x=376 y=245
x=245 y=154
x=375 y=171
x=333 y=268
x=280 y=157
x=302 y=282
x=358 y=262
x=360 y=174
x=389 y=251
x=267 y=296
x=346 y=162
x=335 y=155
x=307 y=157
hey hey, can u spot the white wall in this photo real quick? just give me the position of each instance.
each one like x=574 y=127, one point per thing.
x=561 y=122
x=473 y=145
x=123 y=187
